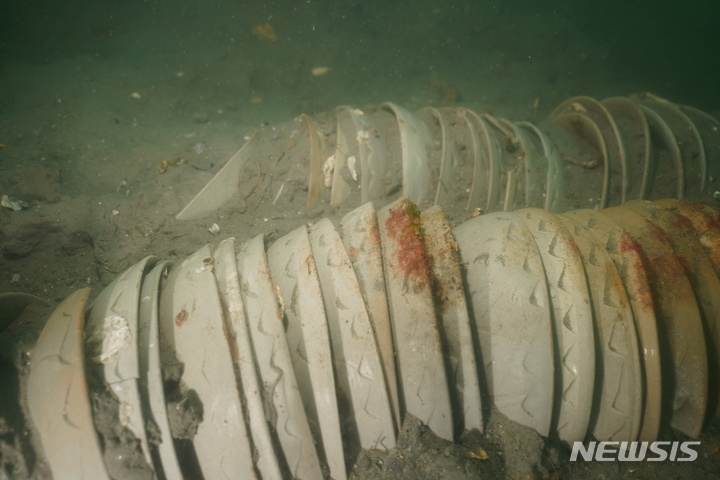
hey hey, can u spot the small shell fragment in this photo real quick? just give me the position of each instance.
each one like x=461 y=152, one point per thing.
x=328 y=169
x=479 y=454
x=214 y=229
x=265 y=31
x=319 y=71
x=116 y=336
x=351 y=166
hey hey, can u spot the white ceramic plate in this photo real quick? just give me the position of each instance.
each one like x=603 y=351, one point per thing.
x=572 y=318
x=453 y=311
x=505 y=280
x=241 y=350
x=280 y=388
x=633 y=133
x=621 y=393
x=112 y=333
x=151 y=381
x=58 y=398
x=681 y=236
x=359 y=230
x=680 y=326
x=619 y=246
x=293 y=271
x=192 y=324
x=420 y=357
x=415 y=138
x=704 y=220
x=358 y=368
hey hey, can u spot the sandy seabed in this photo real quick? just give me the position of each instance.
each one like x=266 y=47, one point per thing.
x=94 y=98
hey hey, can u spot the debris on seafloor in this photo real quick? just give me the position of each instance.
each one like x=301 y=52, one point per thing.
x=164 y=165
x=319 y=71
x=13 y=203
x=264 y=31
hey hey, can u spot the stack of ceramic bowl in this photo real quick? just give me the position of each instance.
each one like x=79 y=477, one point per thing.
x=588 y=154
x=590 y=324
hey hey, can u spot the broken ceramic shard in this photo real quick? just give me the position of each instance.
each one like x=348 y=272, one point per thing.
x=13 y=203
x=222 y=186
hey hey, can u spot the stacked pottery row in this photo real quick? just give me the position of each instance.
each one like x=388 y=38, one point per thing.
x=286 y=360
